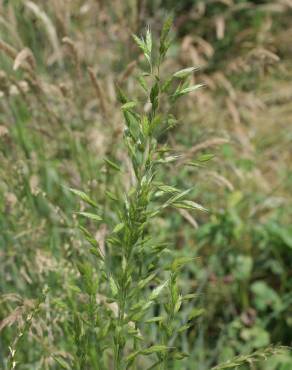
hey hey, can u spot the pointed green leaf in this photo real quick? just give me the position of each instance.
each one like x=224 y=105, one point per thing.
x=113 y=165
x=154 y=93
x=114 y=287
x=149 y=40
x=144 y=282
x=154 y=319
x=180 y=262
x=122 y=98
x=143 y=83
x=191 y=89
x=175 y=198
x=118 y=227
x=129 y=105
x=185 y=72
x=155 y=349
x=165 y=29
x=89 y=215
x=140 y=42
x=83 y=196
x=178 y=304
x=156 y=292
x=132 y=356
x=111 y=195
x=188 y=204
x=62 y=362
x=168 y=189
x=180 y=92
x=85 y=231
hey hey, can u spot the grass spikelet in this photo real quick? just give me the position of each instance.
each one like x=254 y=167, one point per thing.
x=24 y=55
x=98 y=90
x=49 y=27
x=74 y=51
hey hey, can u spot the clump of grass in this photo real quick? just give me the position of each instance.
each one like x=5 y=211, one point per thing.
x=138 y=290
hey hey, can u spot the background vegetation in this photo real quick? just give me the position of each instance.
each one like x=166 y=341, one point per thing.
x=60 y=117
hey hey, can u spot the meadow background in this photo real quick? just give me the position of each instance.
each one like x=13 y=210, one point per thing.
x=59 y=118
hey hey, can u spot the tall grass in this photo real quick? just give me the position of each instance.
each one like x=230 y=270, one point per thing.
x=60 y=123
x=135 y=276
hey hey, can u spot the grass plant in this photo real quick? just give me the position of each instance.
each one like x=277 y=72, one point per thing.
x=142 y=276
